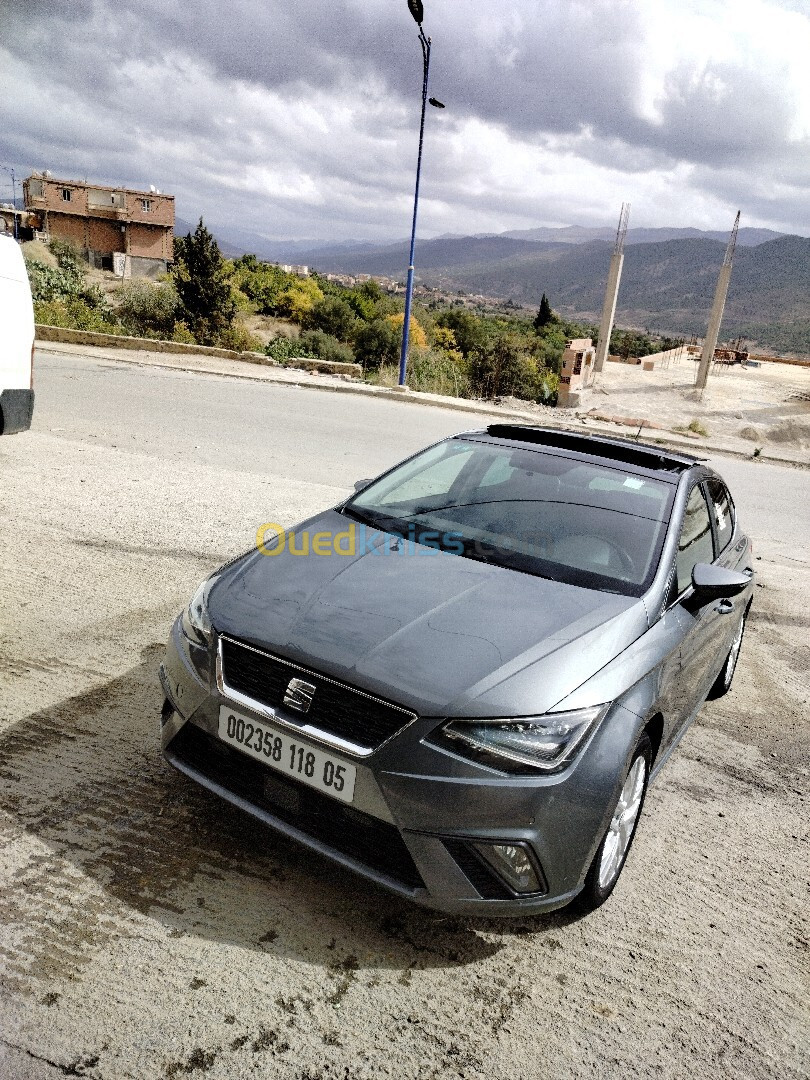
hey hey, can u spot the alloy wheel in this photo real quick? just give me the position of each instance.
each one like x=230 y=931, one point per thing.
x=731 y=659
x=622 y=824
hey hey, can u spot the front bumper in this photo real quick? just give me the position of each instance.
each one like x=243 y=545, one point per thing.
x=416 y=808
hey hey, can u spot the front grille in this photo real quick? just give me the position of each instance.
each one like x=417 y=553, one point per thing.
x=371 y=842
x=336 y=710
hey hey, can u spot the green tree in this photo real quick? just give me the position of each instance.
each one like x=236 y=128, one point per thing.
x=544 y=315
x=203 y=286
x=377 y=343
x=298 y=300
x=366 y=300
x=630 y=343
x=333 y=316
x=469 y=330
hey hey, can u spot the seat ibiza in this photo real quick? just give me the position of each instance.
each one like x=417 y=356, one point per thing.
x=460 y=681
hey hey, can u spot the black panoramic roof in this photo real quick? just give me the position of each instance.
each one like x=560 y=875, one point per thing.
x=641 y=455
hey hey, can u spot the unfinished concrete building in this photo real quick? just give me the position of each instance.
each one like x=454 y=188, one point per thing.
x=577 y=371
x=128 y=231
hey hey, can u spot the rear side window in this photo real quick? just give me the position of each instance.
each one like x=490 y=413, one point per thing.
x=722 y=511
x=695 y=544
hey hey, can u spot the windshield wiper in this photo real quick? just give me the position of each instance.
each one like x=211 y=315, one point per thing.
x=422 y=511
x=366 y=517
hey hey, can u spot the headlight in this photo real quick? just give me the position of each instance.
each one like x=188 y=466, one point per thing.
x=196 y=623
x=547 y=743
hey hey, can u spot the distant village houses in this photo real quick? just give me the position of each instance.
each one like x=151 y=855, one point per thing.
x=128 y=231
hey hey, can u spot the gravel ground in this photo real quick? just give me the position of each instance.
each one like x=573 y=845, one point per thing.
x=148 y=931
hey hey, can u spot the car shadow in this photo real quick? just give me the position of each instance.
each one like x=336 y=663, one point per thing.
x=85 y=778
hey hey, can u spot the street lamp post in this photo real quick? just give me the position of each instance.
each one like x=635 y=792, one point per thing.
x=9 y=170
x=416 y=9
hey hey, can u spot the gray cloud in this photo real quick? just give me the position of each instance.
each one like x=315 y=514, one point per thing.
x=298 y=118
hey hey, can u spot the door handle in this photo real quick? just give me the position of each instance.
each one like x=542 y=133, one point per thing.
x=725 y=607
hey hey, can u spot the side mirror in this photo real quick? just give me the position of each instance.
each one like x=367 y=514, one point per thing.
x=717 y=583
x=360 y=484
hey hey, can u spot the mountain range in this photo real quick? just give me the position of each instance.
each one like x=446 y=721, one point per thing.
x=667 y=285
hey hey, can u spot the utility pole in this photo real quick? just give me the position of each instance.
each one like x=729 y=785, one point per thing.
x=612 y=290
x=716 y=317
x=9 y=170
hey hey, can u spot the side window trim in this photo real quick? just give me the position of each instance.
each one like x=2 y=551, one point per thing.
x=710 y=506
x=689 y=589
x=732 y=510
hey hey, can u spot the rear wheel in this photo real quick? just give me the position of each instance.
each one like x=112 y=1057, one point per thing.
x=722 y=684
x=612 y=852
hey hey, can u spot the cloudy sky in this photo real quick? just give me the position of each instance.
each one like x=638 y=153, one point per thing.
x=299 y=118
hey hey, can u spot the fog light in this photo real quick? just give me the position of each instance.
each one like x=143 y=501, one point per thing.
x=512 y=863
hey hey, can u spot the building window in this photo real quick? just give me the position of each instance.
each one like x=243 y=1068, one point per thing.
x=146 y=205
x=66 y=193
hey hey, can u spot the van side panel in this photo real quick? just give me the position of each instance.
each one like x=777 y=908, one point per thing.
x=16 y=340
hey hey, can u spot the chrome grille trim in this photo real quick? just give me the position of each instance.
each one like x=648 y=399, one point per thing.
x=291 y=722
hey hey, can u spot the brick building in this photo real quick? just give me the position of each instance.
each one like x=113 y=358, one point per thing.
x=131 y=232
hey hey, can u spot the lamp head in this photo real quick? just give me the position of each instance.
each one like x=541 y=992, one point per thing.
x=416 y=9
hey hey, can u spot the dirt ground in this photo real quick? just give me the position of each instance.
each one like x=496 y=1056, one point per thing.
x=149 y=932
x=744 y=409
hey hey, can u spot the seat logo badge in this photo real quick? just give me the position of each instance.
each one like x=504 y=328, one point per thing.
x=299 y=695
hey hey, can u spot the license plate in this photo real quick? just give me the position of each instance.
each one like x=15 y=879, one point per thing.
x=288 y=754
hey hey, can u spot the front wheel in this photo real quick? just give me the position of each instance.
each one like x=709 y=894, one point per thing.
x=722 y=684
x=612 y=851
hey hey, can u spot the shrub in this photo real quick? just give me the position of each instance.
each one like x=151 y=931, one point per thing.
x=148 y=309
x=282 y=349
x=238 y=338
x=53 y=283
x=76 y=314
x=325 y=347
x=182 y=334
x=502 y=368
x=432 y=371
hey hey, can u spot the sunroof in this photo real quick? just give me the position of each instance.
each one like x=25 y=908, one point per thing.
x=643 y=455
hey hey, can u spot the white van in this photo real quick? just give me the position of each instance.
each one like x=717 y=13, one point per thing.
x=16 y=341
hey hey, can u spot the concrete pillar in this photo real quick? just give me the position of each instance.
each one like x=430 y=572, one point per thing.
x=609 y=309
x=715 y=319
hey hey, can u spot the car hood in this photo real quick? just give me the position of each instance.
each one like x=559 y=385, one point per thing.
x=430 y=630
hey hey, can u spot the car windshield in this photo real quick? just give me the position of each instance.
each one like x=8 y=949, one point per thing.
x=528 y=509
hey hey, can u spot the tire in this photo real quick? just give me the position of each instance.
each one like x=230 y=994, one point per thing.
x=613 y=849
x=722 y=684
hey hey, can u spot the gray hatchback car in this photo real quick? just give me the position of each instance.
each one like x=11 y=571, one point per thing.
x=460 y=681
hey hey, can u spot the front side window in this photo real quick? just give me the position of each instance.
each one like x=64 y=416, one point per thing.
x=531 y=510
x=695 y=544
x=723 y=511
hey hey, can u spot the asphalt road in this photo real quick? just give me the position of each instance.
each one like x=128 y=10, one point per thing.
x=147 y=931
